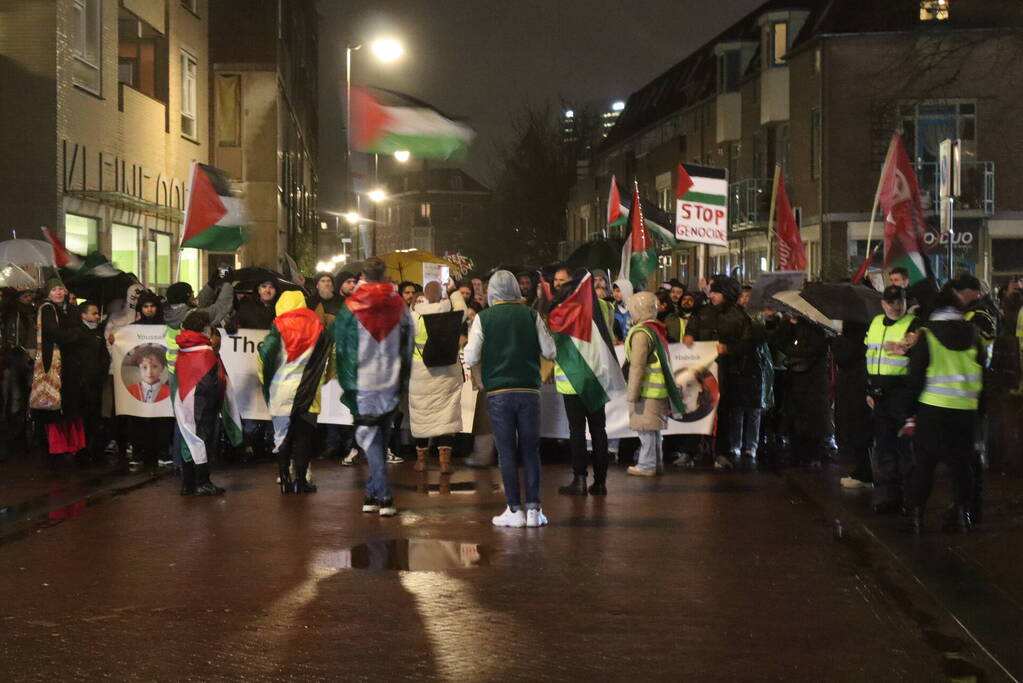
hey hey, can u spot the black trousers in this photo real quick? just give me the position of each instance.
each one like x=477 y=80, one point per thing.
x=578 y=418
x=298 y=443
x=893 y=457
x=943 y=435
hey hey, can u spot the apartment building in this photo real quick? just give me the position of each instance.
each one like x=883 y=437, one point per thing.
x=819 y=86
x=105 y=109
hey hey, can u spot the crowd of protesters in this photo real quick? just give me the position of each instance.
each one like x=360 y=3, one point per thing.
x=894 y=396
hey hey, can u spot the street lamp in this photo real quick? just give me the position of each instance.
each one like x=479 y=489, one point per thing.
x=377 y=195
x=402 y=156
x=387 y=49
x=352 y=217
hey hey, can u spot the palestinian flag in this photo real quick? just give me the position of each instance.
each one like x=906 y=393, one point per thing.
x=390 y=122
x=639 y=257
x=201 y=396
x=214 y=216
x=586 y=356
x=659 y=223
x=373 y=342
x=62 y=258
x=293 y=358
x=659 y=335
x=904 y=223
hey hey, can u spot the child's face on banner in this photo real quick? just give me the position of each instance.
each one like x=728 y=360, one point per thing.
x=150 y=370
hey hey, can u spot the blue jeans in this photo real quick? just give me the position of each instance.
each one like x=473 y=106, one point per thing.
x=515 y=419
x=651 y=451
x=373 y=442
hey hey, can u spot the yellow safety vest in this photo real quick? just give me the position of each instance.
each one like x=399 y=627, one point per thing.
x=421 y=337
x=954 y=378
x=170 y=335
x=879 y=361
x=653 y=385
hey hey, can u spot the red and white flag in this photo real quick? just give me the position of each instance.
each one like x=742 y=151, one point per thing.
x=614 y=205
x=791 y=255
x=61 y=256
x=904 y=222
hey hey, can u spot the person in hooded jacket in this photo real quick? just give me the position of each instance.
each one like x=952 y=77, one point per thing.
x=18 y=320
x=293 y=363
x=622 y=291
x=257 y=313
x=724 y=322
x=946 y=378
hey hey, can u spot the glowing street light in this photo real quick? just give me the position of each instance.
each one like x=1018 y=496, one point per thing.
x=618 y=106
x=402 y=155
x=377 y=195
x=387 y=49
x=352 y=217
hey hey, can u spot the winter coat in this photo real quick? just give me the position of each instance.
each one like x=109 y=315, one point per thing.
x=62 y=329
x=729 y=325
x=253 y=314
x=853 y=420
x=806 y=402
x=645 y=414
x=19 y=325
x=435 y=393
x=754 y=386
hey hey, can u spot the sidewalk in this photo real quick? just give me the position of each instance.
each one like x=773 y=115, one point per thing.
x=34 y=496
x=974 y=577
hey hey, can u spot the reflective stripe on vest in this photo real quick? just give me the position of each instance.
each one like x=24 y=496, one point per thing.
x=653 y=376
x=954 y=378
x=879 y=361
x=170 y=335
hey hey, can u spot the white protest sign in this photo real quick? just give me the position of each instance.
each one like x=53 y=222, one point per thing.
x=701 y=214
x=139 y=367
x=238 y=353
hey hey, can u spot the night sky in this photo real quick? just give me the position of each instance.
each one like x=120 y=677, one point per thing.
x=485 y=59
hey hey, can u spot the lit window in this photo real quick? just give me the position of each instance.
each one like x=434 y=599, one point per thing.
x=124 y=247
x=189 y=89
x=163 y=259
x=85 y=44
x=80 y=234
x=424 y=210
x=779 y=42
x=933 y=10
x=188 y=265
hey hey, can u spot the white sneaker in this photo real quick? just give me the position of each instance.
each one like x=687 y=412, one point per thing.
x=854 y=483
x=387 y=508
x=164 y=463
x=509 y=518
x=535 y=518
x=352 y=457
x=392 y=458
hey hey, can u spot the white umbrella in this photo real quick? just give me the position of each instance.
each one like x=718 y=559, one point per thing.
x=14 y=277
x=792 y=300
x=27 y=252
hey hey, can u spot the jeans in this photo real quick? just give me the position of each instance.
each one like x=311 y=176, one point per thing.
x=743 y=430
x=651 y=453
x=515 y=418
x=578 y=416
x=372 y=439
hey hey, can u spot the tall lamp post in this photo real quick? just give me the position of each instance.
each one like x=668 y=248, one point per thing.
x=386 y=50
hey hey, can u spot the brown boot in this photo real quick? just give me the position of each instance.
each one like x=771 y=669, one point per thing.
x=445 y=458
x=421 y=459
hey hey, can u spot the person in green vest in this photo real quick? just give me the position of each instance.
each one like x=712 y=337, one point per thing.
x=946 y=377
x=887 y=340
x=507 y=340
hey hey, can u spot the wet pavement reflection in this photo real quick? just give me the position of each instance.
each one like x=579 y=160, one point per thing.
x=404 y=554
x=458 y=482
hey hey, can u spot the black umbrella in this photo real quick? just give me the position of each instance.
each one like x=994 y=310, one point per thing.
x=602 y=253
x=249 y=279
x=99 y=289
x=843 y=300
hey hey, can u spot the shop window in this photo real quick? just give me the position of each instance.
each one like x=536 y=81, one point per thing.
x=1007 y=255
x=163 y=259
x=81 y=234
x=141 y=56
x=124 y=247
x=189 y=267
x=85 y=43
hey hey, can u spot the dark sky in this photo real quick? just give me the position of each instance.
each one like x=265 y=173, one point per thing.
x=485 y=59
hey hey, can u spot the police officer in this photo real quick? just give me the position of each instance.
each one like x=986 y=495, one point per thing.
x=887 y=373
x=946 y=376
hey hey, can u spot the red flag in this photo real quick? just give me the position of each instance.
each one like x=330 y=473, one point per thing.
x=684 y=183
x=862 y=272
x=904 y=223
x=61 y=256
x=614 y=204
x=791 y=255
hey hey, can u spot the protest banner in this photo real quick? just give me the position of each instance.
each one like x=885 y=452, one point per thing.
x=139 y=368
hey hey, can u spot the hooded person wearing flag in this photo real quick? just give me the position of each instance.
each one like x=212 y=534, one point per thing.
x=292 y=367
x=435 y=384
x=507 y=339
x=373 y=339
x=585 y=374
x=651 y=393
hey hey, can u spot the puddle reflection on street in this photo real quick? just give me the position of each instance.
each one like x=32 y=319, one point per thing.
x=465 y=482
x=404 y=554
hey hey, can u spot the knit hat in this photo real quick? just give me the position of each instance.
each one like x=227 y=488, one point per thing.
x=53 y=282
x=179 y=293
x=340 y=278
x=729 y=287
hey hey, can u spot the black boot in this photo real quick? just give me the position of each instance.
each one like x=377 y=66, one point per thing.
x=913 y=522
x=598 y=488
x=957 y=520
x=576 y=488
x=203 y=485
x=285 y=476
x=187 y=478
x=302 y=484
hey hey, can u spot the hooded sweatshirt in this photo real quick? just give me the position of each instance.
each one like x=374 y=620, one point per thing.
x=511 y=360
x=148 y=297
x=293 y=357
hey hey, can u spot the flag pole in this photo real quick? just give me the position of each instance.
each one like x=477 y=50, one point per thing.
x=184 y=222
x=770 y=216
x=877 y=194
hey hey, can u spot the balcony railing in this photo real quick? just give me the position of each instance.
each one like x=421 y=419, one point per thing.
x=749 y=202
x=977 y=185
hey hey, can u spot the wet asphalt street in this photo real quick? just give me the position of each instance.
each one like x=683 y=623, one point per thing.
x=697 y=576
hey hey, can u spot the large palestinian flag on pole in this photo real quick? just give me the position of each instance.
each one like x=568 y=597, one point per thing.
x=639 y=257
x=586 y=356
x=202 y=396
x=904 y=222
x=214 y=216
x=387 y=122
x=659 y=223
x=373 y=343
